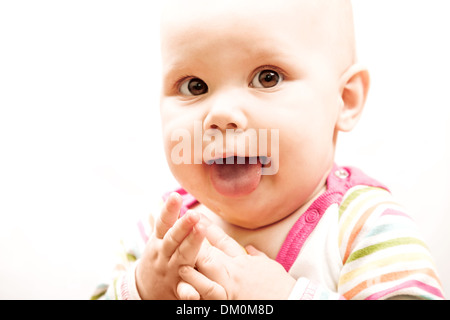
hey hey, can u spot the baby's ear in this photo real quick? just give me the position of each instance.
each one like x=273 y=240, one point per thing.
x=354 y=88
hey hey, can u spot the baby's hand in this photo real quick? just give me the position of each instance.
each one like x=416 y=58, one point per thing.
x=175 y=242
x=225 y=271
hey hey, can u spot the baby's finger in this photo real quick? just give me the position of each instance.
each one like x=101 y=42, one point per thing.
x=208 y=289
x=212 y=263
x=187 y=292
x=251 y=250
x=186 y=253
x=175 y=236
x=169 y=215
x=219 y=239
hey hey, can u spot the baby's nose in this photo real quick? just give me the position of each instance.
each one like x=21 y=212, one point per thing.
x=231 y=125
x=225 y=120
x=225 y=115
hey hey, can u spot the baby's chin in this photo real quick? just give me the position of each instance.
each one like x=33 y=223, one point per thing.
x=247 y=213
x=246 y=220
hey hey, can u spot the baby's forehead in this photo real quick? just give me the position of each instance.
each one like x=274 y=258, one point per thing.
x=182 y=10
x=325 y=22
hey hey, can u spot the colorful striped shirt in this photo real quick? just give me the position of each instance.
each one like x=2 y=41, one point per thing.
x=353 y=242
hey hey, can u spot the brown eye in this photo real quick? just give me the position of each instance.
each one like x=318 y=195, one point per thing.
x=266 y=79
x=193 y=87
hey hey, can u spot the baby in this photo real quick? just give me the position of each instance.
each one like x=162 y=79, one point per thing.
x=254 y=96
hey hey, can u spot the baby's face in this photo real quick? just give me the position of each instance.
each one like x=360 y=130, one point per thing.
x=249 y=67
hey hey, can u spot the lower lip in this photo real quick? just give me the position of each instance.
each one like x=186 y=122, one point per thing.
x=236 y=180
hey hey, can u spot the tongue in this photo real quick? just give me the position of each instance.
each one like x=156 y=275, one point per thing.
x=236 y=180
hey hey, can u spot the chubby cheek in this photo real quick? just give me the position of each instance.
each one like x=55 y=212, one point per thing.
x=306 y=153
x=181 y=159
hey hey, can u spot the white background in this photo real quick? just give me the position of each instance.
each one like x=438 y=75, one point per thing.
x=80 y=145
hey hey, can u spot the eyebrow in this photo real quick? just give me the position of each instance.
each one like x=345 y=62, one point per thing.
x=260 y=54
x=174 y=73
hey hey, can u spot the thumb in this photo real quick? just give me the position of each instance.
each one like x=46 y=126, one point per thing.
x=251 y=250
x=187 y=292
x=219 y=239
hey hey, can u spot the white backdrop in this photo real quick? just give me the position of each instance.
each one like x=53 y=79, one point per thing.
x=80 y=145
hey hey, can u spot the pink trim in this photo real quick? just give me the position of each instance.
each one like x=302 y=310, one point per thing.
x=337 y=186
x=142 y=231
x=309 y=292
x=124 y=292
x=404 y=285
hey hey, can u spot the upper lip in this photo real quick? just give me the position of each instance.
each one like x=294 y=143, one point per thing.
x=235 y=159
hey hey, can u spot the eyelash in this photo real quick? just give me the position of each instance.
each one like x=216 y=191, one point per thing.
x=184 y=78
x=178 y=83
x=278 y=70
x=268 y=67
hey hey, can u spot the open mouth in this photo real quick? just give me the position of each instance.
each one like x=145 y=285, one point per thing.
x=236 y=176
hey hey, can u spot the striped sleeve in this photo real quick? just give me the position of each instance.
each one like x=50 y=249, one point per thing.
x=121 y=282
x=383 y=253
